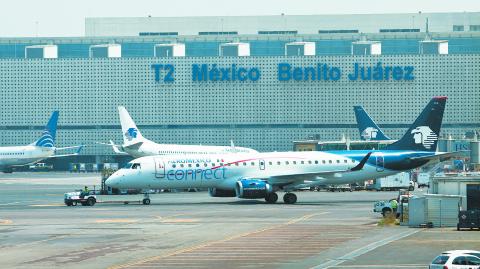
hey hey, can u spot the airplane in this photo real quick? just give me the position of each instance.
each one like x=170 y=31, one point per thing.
x=136 y=145
x=369 y=130
x=41 y=149
x=261 y=175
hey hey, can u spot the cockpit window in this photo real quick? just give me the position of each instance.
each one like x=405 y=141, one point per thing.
x=127 y=166
x=136 y=166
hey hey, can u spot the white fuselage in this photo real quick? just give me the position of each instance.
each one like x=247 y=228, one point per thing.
x=223 y=171
x=23 y=155
x=149 y=148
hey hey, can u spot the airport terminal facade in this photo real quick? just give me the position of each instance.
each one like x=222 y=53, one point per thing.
x=262 y=82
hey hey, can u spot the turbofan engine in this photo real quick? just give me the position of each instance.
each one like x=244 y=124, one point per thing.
x=252 y=188
x=214 y=192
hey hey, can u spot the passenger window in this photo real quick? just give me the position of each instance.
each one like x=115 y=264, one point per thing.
x=252 y=163
x=189 y=165
x=261 y=163
x=205 y=164
x=279 y=163
x=309 y=162
x=244 y=164
x=269 y=163
x=329 y=161
x=460 y=261
x=236 y=164
x=323 y=161
x=316 y=162
x=473 y=260
x=345 y=161
x=173 y=166
x=302 y=162
x=213 y=164
x=294 y=162
x=338 y=161
x=197 y=165
x=287 y=163
x=181 y=165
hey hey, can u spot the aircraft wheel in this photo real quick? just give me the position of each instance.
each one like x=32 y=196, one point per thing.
x=91 y=201
x=271 y=198
x=146 y=201
x=290 y=198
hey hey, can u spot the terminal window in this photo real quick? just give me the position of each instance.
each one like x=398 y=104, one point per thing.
x=475 y=27
x=458 y=28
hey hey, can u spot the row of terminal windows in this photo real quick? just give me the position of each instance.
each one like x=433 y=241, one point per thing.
x=12 y=153
x=263 y=163
x=456 y=28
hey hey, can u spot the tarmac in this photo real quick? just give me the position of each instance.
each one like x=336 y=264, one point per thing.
x=194 y=230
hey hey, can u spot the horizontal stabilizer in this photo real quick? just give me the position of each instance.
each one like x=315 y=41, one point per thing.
x=134 y=146
x=441 y=156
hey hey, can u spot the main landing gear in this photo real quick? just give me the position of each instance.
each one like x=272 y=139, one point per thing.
x=288 y=198
x=271 y=198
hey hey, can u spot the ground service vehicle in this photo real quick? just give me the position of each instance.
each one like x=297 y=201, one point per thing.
x=84 y=198
x=455 y=261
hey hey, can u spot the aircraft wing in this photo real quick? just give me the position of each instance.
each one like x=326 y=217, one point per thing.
x=440 y=157
x=70 y=154
x=296 y=179
x=72 y=147
x=116 y=148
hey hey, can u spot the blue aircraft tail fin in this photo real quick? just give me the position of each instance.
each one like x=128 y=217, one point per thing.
x=48 y=136
x=369 y=130
x=424 y=132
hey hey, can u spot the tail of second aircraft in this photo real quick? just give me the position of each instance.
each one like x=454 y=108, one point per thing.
x=48 y=135
x=369 y=130
x=131 y=134
x=423 y=134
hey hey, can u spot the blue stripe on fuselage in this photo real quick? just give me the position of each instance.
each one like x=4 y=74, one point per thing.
x=398 y=160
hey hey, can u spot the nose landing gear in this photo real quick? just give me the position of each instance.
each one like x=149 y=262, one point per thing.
x=146 y=199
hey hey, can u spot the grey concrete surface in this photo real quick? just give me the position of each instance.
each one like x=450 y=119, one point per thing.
x=193 y=230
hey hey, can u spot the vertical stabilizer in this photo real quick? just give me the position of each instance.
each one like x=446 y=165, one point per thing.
x=130 y=132
x=48 y=135
x=369 y=130
x=424 y=132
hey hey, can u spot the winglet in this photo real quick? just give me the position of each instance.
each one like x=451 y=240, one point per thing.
x=79 y=149
x=362 y=163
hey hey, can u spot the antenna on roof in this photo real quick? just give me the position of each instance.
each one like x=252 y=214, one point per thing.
x=427 y=36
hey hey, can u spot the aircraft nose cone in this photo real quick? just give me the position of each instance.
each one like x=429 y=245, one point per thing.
x=113 y=181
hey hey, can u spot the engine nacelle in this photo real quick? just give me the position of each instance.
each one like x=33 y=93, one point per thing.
x=214 y=192
x=252 y=188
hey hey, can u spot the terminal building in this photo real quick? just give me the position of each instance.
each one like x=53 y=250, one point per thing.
x=261 y=81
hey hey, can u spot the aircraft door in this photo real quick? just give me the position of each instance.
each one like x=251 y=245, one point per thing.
x=380 y=162
x=261 y=164
x=159 y=168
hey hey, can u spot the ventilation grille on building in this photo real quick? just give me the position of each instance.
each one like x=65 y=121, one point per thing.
x=277 y=32
x=218 y=33
x=399 y=30
x=338 y=31
x=157 y=33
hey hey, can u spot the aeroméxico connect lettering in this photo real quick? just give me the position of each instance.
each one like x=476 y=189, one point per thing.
x=287 y=72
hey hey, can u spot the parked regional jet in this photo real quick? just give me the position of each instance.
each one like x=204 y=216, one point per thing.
x=136 y=145
x=261 y=175
x=41 y=149
x=369 y=130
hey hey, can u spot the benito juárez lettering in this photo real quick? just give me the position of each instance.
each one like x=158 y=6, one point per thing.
x=287 y=72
